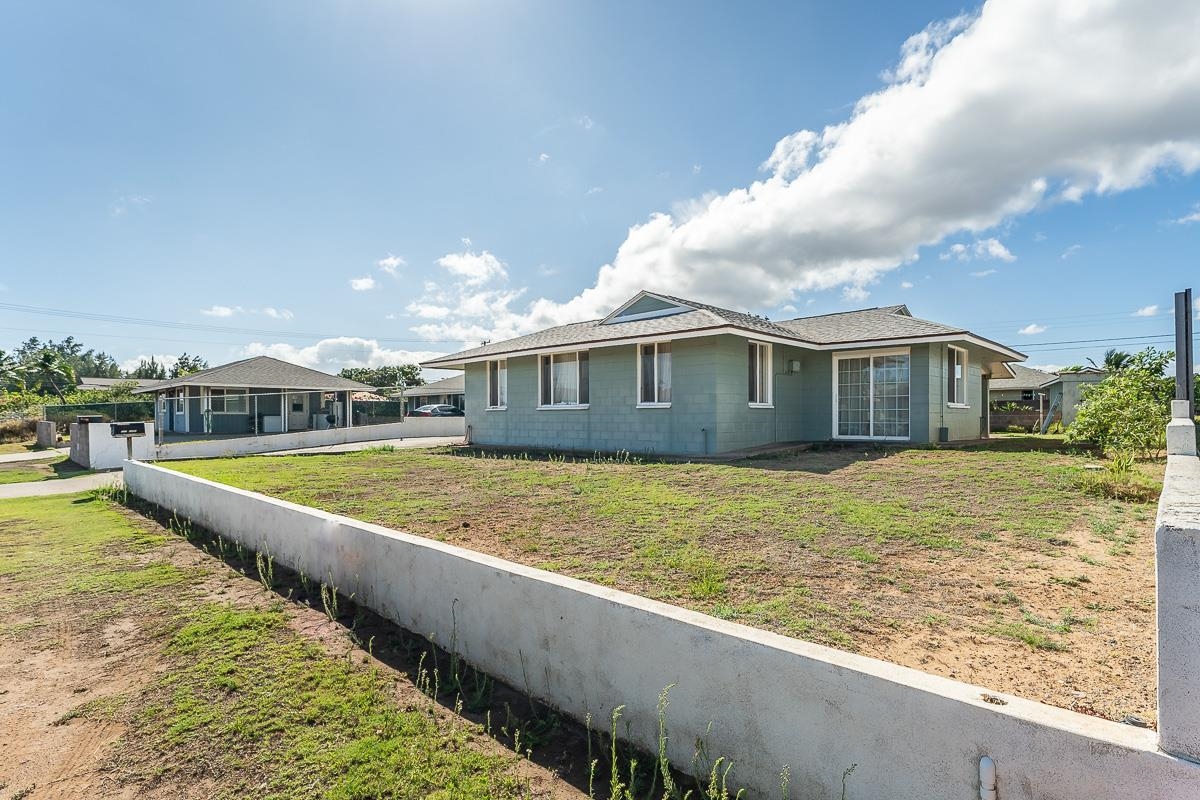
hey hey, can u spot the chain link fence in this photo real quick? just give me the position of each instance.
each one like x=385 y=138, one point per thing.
x=125 y=411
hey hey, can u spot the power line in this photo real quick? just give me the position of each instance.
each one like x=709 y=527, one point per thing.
x=200 y=326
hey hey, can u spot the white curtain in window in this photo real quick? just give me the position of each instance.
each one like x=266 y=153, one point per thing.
x=565 y=377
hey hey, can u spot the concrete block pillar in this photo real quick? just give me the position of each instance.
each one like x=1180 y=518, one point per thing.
x=1181 y=430
x=47 y=433
x=1177 y=562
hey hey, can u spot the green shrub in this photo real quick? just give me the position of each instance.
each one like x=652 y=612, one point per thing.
x=1016 y=429
x=1128 y=410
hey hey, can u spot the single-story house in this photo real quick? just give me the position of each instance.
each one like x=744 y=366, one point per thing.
x=448 y=391
x=665 y=375
x=1063 y=387
x=255 y=395
x=1022 y=388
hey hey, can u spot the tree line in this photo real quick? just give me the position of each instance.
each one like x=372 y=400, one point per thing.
x=53 y=369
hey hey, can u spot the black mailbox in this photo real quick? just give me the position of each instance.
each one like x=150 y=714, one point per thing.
x=128 y=429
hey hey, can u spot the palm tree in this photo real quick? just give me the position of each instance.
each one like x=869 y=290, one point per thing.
x=1114 y=360
x=49 y=368
x=10 y=371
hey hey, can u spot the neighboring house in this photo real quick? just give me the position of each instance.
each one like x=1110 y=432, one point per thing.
x=256 y=395
x=1067 y=388
x=1064 y=387
x=1022 y=388
x=665 y=375
x=85 y=384
x=448 y=392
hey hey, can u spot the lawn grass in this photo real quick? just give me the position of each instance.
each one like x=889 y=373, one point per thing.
x=54 y=467
x=234 y=701
x=846 y=547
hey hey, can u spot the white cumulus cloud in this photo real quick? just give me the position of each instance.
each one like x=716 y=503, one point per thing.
x=983 y=273
x=332 y=355
x=984 y=118
x=363 y=284
x=1146 y=311
x=906 y=284
x=1188 y=219
x=390 y=264
x=474 y=268
x=166 y=359
x=221 y=311
x=982 y=249
x=278 y=313
x=1032 y=329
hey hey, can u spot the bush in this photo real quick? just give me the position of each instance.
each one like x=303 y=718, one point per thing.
x=17 y=430
x=1016 y=429
x=1128 y=410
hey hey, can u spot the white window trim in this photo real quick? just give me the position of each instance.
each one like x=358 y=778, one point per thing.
x=637 y=387
x=487 y=371
x=893 y=351
x=564 y=406
x=965 y=402
x=237 y=392
x=770 y=358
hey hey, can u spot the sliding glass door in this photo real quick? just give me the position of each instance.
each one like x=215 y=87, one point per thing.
x=871 y=395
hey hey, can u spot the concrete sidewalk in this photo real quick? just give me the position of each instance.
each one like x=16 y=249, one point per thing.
x=35 y=455
x=64 y=486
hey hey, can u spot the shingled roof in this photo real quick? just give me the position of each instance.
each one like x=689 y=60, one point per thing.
x=262 y=372
x=1023 y=378
x=865 y=326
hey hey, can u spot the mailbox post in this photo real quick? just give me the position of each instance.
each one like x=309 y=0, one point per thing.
x=128 y=431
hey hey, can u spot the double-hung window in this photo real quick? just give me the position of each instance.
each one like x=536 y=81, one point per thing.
x=497 y=384
x=563 y=379
x=956 y=376
x=760 y=374
x=228 y=401
x=654 y=374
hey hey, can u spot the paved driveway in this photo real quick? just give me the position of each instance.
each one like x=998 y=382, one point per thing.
x=64 y=486
x=35 y=455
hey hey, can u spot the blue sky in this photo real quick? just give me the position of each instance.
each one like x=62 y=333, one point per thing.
x=350 y=183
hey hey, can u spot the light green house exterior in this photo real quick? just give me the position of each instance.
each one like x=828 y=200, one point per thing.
x=711 y=406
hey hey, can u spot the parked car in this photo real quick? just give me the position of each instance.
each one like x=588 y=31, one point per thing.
x=437 y=410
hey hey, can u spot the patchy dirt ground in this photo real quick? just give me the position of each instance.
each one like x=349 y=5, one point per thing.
x=134 y=664
x=994 y=567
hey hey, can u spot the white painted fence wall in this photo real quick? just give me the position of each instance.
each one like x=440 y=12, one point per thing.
x=771 y=700
x=411 y=428
x=94 y=447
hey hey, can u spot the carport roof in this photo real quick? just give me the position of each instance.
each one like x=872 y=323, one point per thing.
x=262 y=372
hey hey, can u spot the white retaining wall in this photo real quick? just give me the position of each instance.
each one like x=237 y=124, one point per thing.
x=94 y=447
x=411 y=428
x=771 y=700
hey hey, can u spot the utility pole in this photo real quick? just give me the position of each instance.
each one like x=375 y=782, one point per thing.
x=1184 y=361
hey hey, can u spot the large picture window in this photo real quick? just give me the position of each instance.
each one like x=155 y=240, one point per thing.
x=228 y=401
x=563 y=379
x=497 y=383
x=760 y=374
x=654 y=374
x=871 y=395
x=956 y=376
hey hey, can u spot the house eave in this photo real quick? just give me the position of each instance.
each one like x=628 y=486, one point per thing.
x=1006 y=354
